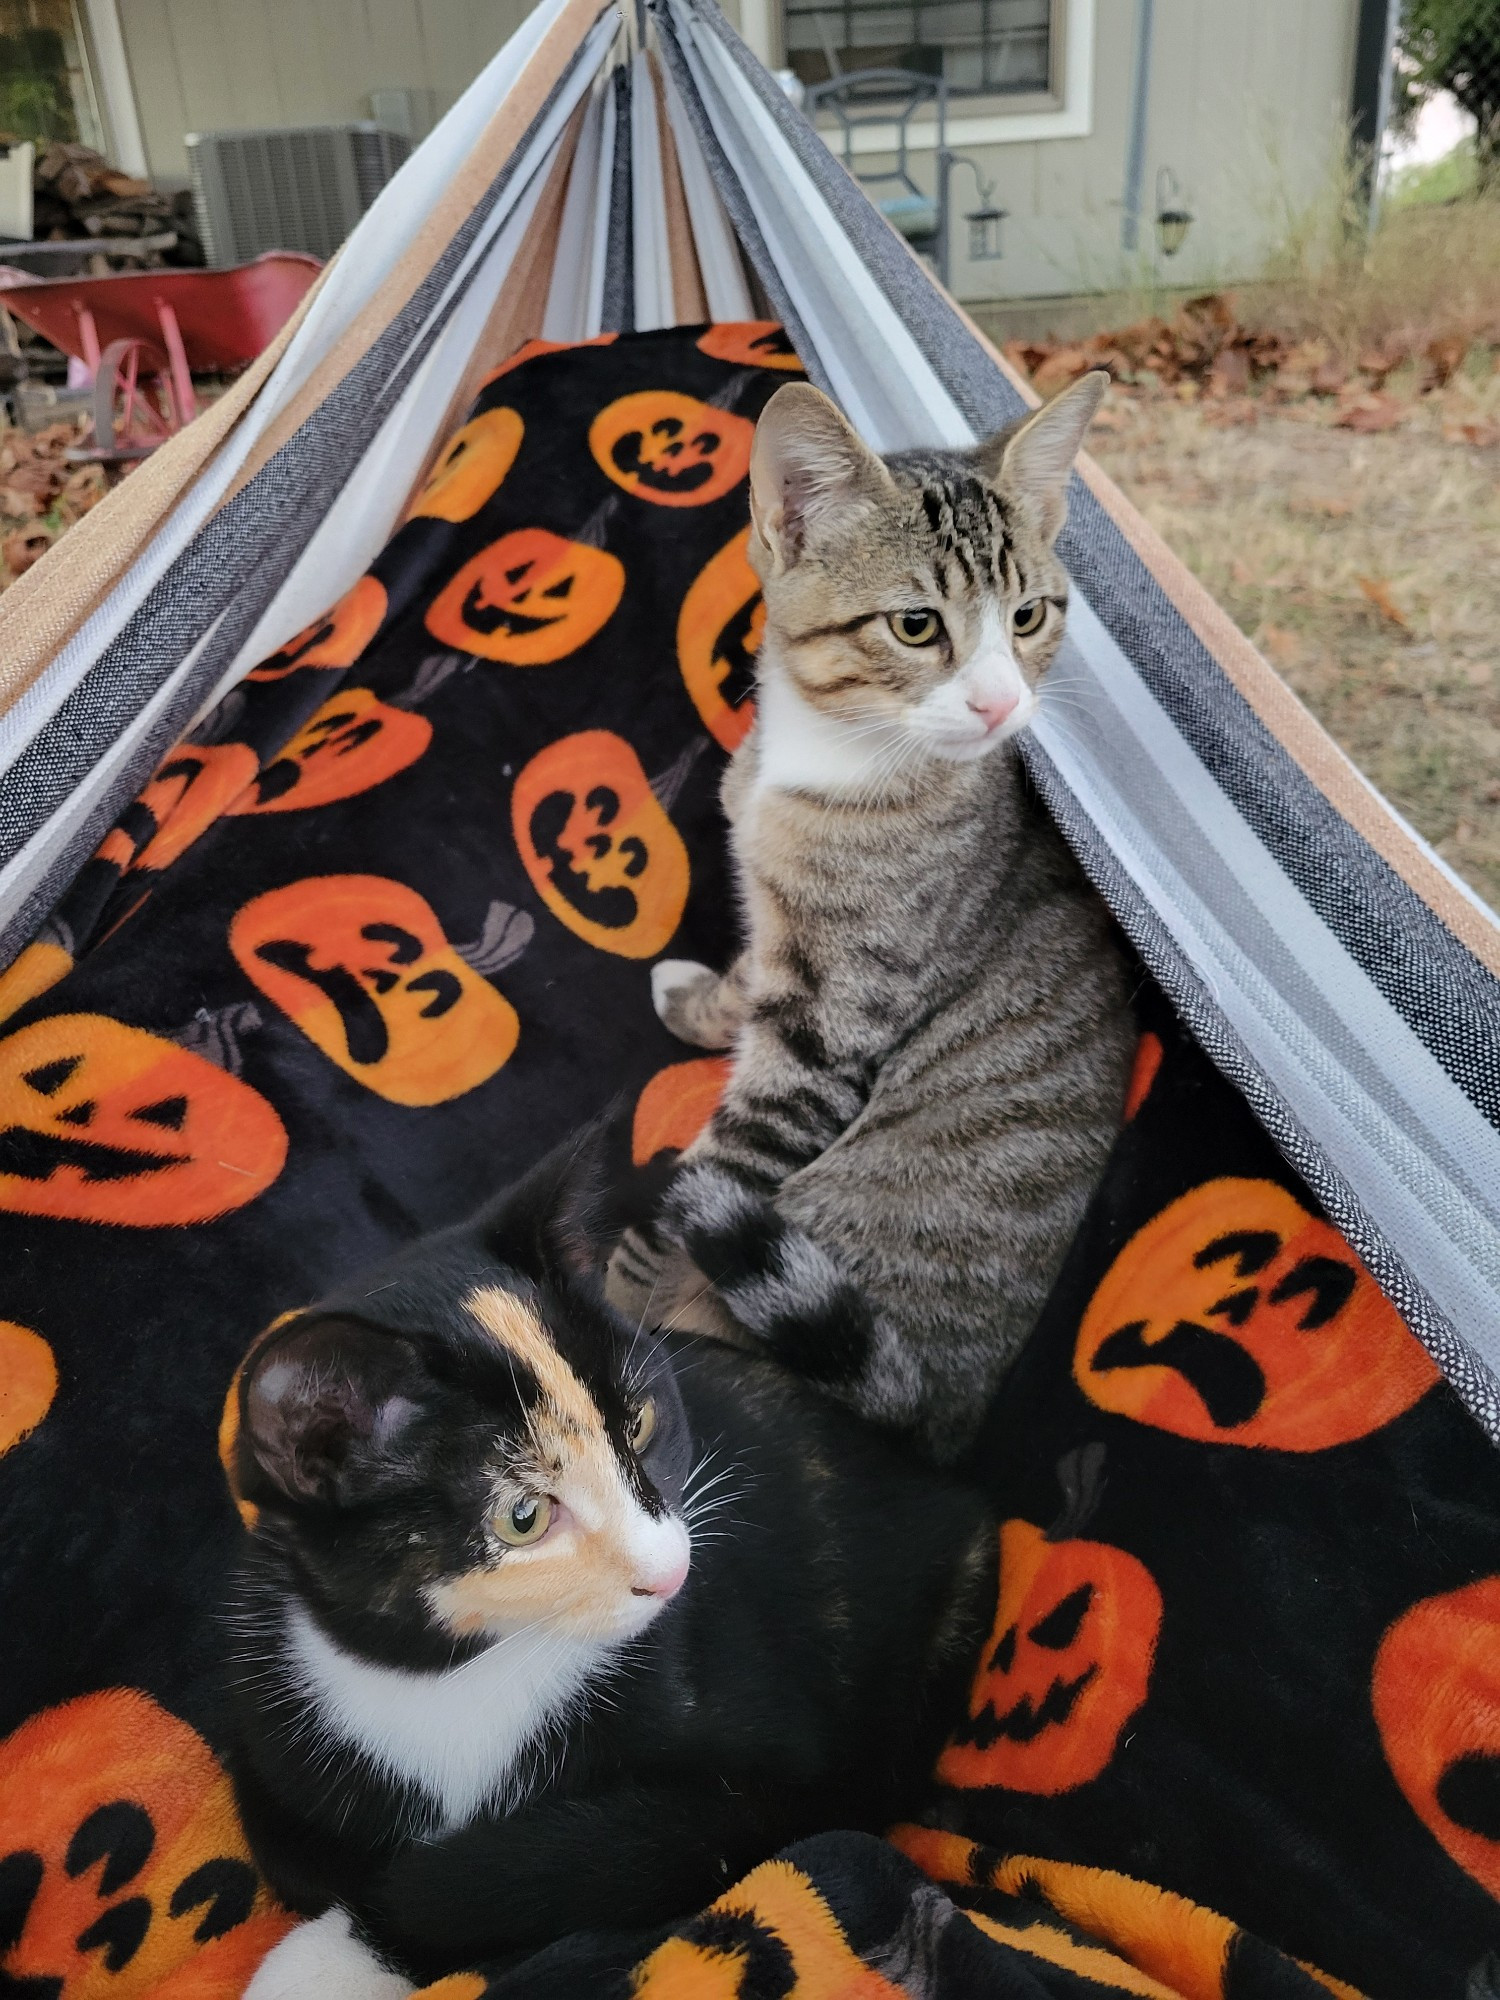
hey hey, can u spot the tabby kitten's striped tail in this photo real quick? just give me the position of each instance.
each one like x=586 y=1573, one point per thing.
x=789 y=1293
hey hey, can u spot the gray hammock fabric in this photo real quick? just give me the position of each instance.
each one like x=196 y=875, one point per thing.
x=619 y=171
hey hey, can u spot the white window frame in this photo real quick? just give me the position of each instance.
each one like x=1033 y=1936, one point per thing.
x=1069 y=115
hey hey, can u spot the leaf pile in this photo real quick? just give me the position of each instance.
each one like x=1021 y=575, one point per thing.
x=42 y=492
x=1205 y=350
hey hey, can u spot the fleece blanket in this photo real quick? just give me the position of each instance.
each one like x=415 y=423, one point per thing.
x=376 y=935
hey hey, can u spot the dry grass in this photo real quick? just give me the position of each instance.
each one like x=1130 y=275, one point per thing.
x=1367 y=567
x=1431 y=273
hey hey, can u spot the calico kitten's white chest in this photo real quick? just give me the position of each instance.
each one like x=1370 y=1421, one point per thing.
x=456 y=1735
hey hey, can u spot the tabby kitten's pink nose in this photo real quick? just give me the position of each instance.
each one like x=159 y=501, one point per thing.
x=992 y=709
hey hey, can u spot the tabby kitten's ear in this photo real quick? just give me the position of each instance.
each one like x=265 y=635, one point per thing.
x=809 y=471
x=322 y=1410
x=1032 y=463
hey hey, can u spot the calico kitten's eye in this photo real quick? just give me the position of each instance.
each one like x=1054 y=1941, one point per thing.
x=525 y=1520
x=1029 y=618
x=642 y=1426
x=916 y=628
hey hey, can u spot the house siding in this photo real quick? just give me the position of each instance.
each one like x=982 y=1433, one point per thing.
x=214 y=65
x=1247 y=105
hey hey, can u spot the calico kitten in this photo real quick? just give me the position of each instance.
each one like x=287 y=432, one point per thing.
x=494 y=1678
x=930 y=1018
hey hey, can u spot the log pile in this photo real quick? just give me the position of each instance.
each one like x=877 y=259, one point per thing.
x=78 y=195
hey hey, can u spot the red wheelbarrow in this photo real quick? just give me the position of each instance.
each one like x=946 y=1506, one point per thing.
x=143 y=334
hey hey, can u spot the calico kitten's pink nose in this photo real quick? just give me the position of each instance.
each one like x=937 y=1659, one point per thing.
x=992 y=709
x=666 y=1581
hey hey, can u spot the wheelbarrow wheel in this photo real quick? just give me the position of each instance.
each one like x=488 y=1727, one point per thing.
x=134 y=409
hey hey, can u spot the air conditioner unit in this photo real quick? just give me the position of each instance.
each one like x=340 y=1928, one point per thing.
x=300 y=187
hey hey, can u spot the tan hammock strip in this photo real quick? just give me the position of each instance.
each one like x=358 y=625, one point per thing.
x=44 y=608
x=689 y=300
x=521 y=303
x=494 y=146
x=1294 y=726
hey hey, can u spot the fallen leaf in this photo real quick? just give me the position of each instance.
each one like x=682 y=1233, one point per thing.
x=1061 y=368
x=1482 y=432
x=1329 y=378
x=1230 y=373
x=1374 y=411
x=1284 y=647
x=1241 y=571
x=1378 y=590
x=1444 y=357
x=26 y=546
x=1479 y=673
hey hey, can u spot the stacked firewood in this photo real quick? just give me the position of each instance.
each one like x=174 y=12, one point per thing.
x=77 y=195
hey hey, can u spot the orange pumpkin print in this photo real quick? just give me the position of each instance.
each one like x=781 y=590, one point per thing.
x=37 y=969
x=28 y=1382
x=671 y=449
x=123 y=1860
x=336 y=639
x=1065 y=1668
x=100 y=1122
x=776 y=1916
x=1236 y=1317
x=1436 y=1696
x=354 y=741
x=361 y=965
x=528 y=599
x=196 y=785
x=472 y=467
x=751 y=343
x=1143 y=1073
x=718 y=636
x=675 y=1106
x=599 y=848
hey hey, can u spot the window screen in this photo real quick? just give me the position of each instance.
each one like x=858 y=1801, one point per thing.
x=982 y=47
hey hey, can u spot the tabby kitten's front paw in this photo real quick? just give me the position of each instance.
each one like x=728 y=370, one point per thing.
x=690 y=1000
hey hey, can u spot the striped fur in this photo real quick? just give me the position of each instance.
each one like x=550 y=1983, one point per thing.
x=930 y=1019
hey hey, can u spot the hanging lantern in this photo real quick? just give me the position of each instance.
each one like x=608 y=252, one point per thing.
x=984 y=234
x=1173 y=218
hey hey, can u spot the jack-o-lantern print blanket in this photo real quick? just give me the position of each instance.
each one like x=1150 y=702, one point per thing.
x=379 y=933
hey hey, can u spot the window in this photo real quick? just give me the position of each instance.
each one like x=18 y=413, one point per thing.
x=45 y=92
x=983 y=48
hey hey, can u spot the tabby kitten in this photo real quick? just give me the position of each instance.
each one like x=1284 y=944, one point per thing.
x=495 y=1678
x=930 y=1018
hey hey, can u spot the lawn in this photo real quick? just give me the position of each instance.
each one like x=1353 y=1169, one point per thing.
x=1325 y=455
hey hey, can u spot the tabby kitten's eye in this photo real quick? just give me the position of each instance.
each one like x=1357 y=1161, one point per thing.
x=1029 y=618
x=525 y=1520
x=642 y=1426
x=916 y=628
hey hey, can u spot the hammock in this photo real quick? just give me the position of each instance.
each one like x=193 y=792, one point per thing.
x=626 y=176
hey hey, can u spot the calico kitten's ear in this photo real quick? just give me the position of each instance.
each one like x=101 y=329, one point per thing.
x=551 y=1224
x=1032 y=463
x=809 y=467
x=322 y=1410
